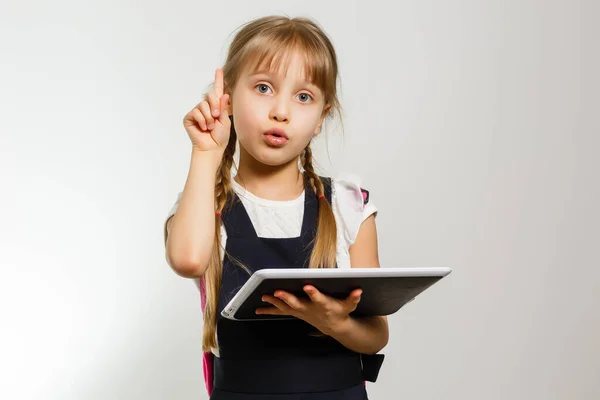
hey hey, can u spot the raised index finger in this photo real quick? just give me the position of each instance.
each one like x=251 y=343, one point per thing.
x=219 y=83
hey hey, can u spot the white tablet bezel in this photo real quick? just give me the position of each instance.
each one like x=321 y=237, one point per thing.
x=306 y=273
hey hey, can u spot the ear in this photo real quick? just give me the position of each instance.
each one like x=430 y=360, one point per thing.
x=229 y=105
x=325 y=111
x=323 y=115
x=317 y=130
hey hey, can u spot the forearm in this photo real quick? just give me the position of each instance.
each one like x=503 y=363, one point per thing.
x=367 y=335
x=191 y=237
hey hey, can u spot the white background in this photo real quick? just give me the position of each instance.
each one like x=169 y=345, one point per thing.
x=474 y=124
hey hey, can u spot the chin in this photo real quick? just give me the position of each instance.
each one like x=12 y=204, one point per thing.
x=275 y=160
x=273 y=157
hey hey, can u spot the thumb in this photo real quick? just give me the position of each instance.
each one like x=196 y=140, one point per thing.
x=224 y=118
x=354 y=298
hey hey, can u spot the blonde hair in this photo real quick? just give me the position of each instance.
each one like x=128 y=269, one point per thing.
x=267 y=43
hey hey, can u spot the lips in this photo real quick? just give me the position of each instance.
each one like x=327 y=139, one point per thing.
x=276 y=137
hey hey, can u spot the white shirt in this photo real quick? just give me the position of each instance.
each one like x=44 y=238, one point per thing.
x=283 y=219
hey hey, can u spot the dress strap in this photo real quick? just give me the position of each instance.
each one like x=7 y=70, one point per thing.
x=236 y=220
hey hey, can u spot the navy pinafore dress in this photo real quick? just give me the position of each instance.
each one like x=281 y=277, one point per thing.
x=280 y=359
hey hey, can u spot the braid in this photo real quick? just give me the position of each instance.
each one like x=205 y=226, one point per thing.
x=325 y=244
x=214 y=272
x=223 y=181
x=309 y=172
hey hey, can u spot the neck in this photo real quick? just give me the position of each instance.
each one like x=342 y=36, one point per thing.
x=281 y=182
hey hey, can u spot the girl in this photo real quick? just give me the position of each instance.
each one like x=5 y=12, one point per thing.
x=272 y=95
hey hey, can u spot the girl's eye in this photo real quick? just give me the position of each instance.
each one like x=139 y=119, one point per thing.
x=262 y=88
x=304 y=97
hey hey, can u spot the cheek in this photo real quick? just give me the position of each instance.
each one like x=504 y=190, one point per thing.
x=245 y=116
x=304 y=141
x=310 y=121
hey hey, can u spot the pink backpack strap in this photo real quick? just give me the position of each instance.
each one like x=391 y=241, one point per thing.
x=207 y=366
x=365 y=195
x=208 y=357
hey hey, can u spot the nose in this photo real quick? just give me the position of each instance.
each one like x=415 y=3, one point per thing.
x=280 y=111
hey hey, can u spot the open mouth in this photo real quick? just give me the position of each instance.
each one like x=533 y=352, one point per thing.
x=276 y=132
x=275 y=137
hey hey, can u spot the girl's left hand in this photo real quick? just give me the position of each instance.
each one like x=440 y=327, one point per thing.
x=325 y=313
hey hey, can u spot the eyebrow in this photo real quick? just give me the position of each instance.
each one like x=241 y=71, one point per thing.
x=269 y=73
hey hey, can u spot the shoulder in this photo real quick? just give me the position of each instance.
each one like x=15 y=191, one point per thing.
x=352 y=204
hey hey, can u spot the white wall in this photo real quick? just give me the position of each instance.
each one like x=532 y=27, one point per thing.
x=473 y=123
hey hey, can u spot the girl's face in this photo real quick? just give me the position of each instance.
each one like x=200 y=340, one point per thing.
x=276 y=116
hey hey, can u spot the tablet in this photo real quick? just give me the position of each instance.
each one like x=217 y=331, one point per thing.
x=385 y=290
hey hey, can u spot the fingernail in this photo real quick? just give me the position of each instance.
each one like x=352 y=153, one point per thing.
x=216 y=112
x=211 y=127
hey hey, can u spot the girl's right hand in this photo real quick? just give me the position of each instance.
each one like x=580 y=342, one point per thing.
x=208 y=124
